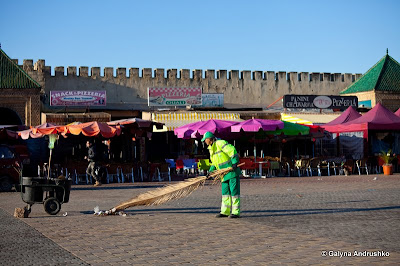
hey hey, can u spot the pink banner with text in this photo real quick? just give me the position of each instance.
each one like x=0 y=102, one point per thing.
x=78 y=98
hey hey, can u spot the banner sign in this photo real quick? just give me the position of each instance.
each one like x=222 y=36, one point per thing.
x=319 y=101
x=174 y=96
x=212 y=100
x=77 y=98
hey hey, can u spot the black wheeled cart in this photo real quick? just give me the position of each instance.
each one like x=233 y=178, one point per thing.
x=52 y=192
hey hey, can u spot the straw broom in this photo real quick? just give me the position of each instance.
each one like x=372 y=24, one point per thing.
x=171 y=192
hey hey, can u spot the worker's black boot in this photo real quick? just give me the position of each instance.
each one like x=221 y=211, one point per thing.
x=220 y=215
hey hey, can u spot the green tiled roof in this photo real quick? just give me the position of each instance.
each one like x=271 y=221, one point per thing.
x=383 y=76
x=12 y=76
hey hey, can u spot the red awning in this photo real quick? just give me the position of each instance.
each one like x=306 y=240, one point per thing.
x=92 y=129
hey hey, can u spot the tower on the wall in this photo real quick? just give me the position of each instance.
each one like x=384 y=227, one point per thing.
x=19 y=94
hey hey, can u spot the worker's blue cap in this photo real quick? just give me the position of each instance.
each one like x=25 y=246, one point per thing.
x=207 y=135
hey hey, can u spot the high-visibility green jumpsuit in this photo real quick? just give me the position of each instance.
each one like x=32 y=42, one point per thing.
x=224 y=155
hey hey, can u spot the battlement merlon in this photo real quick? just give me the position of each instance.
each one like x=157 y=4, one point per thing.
x=222 y=74
x=71 y=71
x=95 y=72
x=246 y=74
x=159 y=73
x=210 y=74
x=185 y=74
x=59 y=71
x=134 y=73
x=293 y=77
x=281 y=75
x=197 y=74
x=39 y=65
x=121 y=73
x=172 y=74
x=27 y=65
x=348 y=77
x=234 y=74
x=84 y=71
x=258 y=75
x=146 y=73
x=270 y=75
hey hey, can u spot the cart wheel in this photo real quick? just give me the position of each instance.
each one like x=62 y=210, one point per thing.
x=52 y=206
x=5 y=184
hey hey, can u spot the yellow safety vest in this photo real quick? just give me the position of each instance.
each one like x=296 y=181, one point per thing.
x=223 y=155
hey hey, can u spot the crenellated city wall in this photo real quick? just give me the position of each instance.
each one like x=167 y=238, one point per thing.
x=240 y=88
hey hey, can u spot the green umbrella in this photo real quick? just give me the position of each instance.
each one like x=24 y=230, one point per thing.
x=290 y=129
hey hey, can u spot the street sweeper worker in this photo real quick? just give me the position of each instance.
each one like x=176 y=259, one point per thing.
x=224 y=155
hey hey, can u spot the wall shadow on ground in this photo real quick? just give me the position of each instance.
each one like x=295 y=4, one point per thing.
x=261 y=213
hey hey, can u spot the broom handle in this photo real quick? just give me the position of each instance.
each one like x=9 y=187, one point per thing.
x=225 y=170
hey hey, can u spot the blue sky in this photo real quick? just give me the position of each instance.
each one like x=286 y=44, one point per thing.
x=338 y=36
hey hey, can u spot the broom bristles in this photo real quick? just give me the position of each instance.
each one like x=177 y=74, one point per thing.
x=171 y=192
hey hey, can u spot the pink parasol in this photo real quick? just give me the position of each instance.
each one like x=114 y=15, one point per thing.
x=397 y=112
x=10 y=131
x=349 y=115
x=8 y=134
x=41 y=130
x=254 y=125
x=197 y=129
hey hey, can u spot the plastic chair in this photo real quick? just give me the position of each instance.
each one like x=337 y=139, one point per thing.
x=248 y=166
x=164 y=172
x=179 y=165
x=288 y=166
x=189 y=165
x=380 y=163
x=171 y=163
x=143 y=170
x=127 y=170
x=80 y=173
x=273 y=166
x=314 y=166
x=113 y=171
x=362 y=164
x=302 y=166
x=155 y=172
x=324 y=165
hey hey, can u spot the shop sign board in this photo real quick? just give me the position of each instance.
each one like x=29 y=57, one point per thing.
x=212 y=100
x=174 y=96
x=319 y=101
x=77 y=98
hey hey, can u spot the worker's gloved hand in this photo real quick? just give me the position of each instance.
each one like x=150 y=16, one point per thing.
x=208 y=175
x=234 y=166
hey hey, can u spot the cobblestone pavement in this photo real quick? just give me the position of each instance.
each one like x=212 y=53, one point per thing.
x=21 y=244
x=308 y=220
